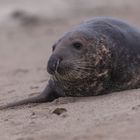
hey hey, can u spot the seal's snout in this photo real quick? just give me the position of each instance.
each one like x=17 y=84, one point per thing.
x=53 y=64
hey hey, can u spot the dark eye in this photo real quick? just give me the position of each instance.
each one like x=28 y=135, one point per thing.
x=53 y=47
x=77 y=45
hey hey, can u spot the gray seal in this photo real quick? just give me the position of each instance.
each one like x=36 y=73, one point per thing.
x=97 y=57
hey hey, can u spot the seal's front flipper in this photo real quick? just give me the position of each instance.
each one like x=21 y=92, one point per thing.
x=46 y=96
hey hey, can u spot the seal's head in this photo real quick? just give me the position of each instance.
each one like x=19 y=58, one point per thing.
x=79 y=57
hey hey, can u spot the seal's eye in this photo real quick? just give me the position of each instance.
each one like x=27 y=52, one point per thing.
x=77 y=45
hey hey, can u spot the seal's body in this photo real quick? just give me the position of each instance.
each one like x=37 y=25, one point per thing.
x=99 y=56
x=102 y=55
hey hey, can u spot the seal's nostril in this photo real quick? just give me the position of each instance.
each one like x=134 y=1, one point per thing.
x=53 y=64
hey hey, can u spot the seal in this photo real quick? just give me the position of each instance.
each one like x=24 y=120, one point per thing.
x=97 y=57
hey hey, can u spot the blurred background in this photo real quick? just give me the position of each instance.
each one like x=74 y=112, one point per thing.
x=69 y=10
x=30 y=27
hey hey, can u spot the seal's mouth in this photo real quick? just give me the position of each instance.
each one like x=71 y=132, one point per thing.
x=68 y=69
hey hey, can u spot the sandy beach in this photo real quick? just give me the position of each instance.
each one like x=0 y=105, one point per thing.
x=28 y=29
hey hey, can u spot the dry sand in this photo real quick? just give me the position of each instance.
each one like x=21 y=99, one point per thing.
x=25 y=46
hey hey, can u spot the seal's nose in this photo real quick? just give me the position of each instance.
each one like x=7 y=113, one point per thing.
x=53 y=64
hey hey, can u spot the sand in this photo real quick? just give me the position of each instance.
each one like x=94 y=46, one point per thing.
x=25 y=46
